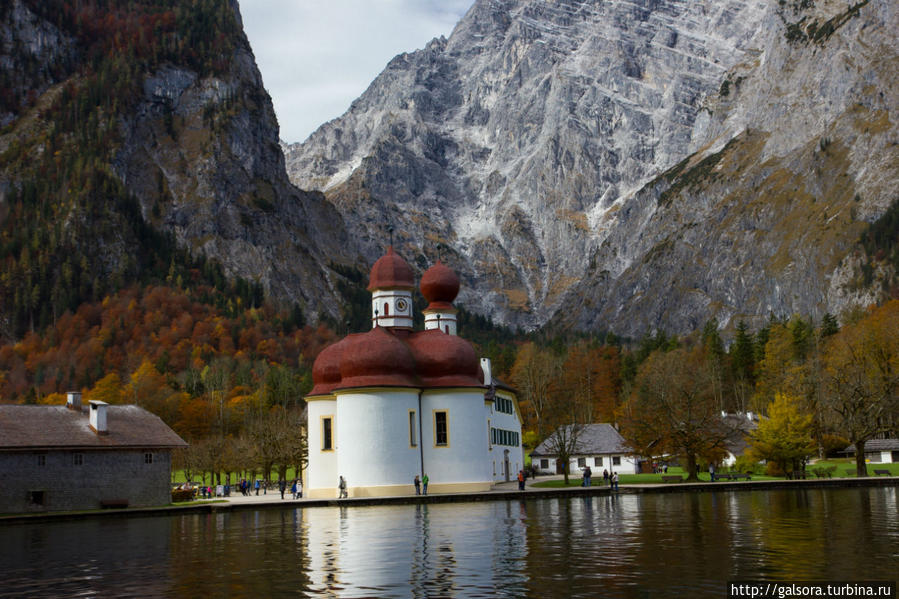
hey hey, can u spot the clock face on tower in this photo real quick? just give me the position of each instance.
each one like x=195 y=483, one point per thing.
x=401 y=305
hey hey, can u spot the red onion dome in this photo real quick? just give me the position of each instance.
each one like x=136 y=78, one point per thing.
x=391 y=271
x=377 y=359
x=440 y=284
x=445 y=360
x=326 y=369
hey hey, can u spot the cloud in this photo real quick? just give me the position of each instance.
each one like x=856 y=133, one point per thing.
x=317 y=56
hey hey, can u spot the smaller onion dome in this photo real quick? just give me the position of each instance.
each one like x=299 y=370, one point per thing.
x=440 y=284
x=326 y=369
x=376 y=358
x=391 y=271
x=445 y=360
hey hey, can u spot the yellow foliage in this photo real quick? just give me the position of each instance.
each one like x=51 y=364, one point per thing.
x=108 y=389
x=53 y=399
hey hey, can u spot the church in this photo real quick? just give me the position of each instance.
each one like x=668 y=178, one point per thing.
x=392 y=403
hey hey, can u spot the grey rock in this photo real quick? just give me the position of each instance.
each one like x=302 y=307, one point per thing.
x=530 y=147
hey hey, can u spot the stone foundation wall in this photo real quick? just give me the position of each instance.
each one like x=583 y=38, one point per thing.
x=55 y=480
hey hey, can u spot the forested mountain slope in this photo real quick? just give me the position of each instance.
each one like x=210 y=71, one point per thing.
x=138 y=142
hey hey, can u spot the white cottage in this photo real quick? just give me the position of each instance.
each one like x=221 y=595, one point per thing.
x=393 y=403
x=878 y=451
x=599 y=446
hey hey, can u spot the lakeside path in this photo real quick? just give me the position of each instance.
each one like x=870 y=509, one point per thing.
x=500 y=491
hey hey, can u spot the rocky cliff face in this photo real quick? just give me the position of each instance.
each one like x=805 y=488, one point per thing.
x=627 y=165
x=123 y=121
x=202 y=156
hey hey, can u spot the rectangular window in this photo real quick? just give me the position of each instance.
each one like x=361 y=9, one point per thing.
x=327 y=440
x=413 y=439
x=36 y=497
x=544 y=464
x=616 y=460
x=148 y=458
x=597 y=462
x=581 y=462
x=41 y=460
x=441 y=429
x=78 y=459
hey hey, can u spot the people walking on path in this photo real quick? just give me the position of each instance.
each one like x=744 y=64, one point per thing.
x=424 y=484
x=614 y=481
x=293 y=489
x=341 y=487
x=588 y=476
x=282 y=486
x=417 y=483
x=257 y=486
x=521 y=480
x=712 y=472
x=605 y=476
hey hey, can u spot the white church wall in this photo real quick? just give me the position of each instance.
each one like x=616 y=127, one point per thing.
x=321 y=473
x=504 y=417
x=376 y=456
x=460 y=463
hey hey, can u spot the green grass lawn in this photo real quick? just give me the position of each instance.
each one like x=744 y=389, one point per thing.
x=178 y=477
x=843 y=465
x=626 y=479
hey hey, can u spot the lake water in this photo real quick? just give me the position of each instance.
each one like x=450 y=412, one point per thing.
x=654 y=545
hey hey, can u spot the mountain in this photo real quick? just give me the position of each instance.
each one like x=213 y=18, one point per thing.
x=139 y=143
x=629 y=166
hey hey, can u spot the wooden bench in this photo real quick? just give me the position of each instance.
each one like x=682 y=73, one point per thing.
x=739 y=475
x=113 y=503
x=722 y=476
x=881 y=472
x=671 y=478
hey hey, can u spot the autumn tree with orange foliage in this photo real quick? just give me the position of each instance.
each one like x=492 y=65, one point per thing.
x=861 y=364
x=673 y=409
x=589 y=378
x=150 y=346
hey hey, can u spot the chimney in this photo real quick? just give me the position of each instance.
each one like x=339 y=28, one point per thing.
x=98 y=417
x=488 y=376
x=73 y=400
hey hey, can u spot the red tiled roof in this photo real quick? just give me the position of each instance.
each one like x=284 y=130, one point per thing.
x=52 y=427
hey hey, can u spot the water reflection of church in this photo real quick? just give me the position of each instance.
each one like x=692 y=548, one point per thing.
x=393 y=403
x=425 y=550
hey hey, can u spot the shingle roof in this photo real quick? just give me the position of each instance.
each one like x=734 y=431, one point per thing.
x=50 y=427
x=876 y=445
x=741 y=426
x=593 y=439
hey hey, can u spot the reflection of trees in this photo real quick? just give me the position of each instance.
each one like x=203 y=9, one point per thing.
x=221 y=555
x=625 y=546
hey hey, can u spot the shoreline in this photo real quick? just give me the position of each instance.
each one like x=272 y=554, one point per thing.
x=502 y=492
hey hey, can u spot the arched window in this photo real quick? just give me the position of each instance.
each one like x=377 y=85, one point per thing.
x=386 y=309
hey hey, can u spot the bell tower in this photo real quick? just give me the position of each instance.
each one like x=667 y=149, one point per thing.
x=440 y=286
x=391 y=283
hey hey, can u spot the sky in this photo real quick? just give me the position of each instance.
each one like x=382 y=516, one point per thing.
x=317 y=56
